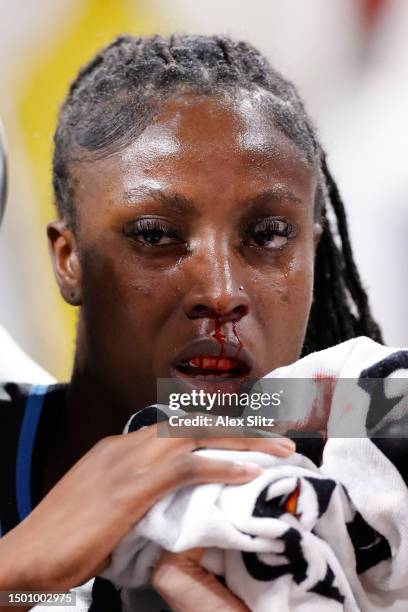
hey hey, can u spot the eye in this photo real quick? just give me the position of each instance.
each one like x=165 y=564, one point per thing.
x=152 y=232
x=269 y=233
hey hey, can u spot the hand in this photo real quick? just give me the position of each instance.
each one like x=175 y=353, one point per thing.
x=70 y=534
x=182 y=582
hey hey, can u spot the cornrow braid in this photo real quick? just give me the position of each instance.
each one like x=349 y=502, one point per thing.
x=117 y=94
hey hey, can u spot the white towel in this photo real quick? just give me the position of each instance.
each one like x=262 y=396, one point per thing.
x=301 y=536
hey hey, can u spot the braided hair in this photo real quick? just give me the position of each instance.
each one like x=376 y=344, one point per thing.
x=116 y=95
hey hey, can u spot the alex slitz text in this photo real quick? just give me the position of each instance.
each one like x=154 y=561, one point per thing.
x=204 y=420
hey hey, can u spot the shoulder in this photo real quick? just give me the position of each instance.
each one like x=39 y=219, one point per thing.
x=14 y=394
x=16 y=365
x=24 y=425
x=20 y=403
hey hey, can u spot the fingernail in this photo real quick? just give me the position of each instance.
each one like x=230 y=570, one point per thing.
x=252 y=469
x=287 y=444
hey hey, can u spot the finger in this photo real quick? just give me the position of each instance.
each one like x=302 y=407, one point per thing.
x=153 y=447
x=280 y=447
x=163 y=430
x=183 y=470
x=190 y=468
x=194 y=555
x=182 y=582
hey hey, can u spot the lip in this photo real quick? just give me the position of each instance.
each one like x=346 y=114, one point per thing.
x=210 y=347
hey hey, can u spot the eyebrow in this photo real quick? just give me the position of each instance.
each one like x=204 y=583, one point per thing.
x=183 y=205
x=178 y=202
x=277 y=193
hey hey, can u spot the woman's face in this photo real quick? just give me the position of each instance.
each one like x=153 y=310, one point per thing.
x=196 y=239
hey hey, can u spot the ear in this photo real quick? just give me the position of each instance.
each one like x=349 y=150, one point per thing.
x=317 y=232
x=64 y=255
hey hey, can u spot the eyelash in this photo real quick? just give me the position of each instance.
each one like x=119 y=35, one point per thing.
x=145 y=226
x=264 y=227
x=270 y=225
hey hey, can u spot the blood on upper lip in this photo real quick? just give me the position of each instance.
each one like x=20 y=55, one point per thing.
x=234 y=329
x=221 y=337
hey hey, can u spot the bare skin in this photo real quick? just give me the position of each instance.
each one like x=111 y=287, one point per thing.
x=171 y=234
x=182 y=582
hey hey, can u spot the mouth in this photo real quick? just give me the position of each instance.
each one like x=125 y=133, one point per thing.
x=208 y=367
x=204 y=361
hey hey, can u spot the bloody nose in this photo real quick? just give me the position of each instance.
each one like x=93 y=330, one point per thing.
x=201 y=311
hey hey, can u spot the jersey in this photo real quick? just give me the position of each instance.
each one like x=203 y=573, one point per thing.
x=28 y=417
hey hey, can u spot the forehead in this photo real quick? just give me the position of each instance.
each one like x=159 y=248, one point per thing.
x=195 y=143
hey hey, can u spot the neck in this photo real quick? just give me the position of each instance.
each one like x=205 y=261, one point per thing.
x=89 y=414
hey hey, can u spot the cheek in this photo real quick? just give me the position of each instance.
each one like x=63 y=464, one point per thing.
x=299 y=282
x=123 y=299
x=289 y=284
x=285 y=296
x=282 y=301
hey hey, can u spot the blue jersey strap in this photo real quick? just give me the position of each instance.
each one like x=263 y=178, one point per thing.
x=32 y=413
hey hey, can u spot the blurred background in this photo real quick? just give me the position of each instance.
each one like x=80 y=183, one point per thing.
x=349 y=58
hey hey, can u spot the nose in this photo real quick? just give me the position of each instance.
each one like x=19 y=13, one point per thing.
x=217 y=291
x=222 y=313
